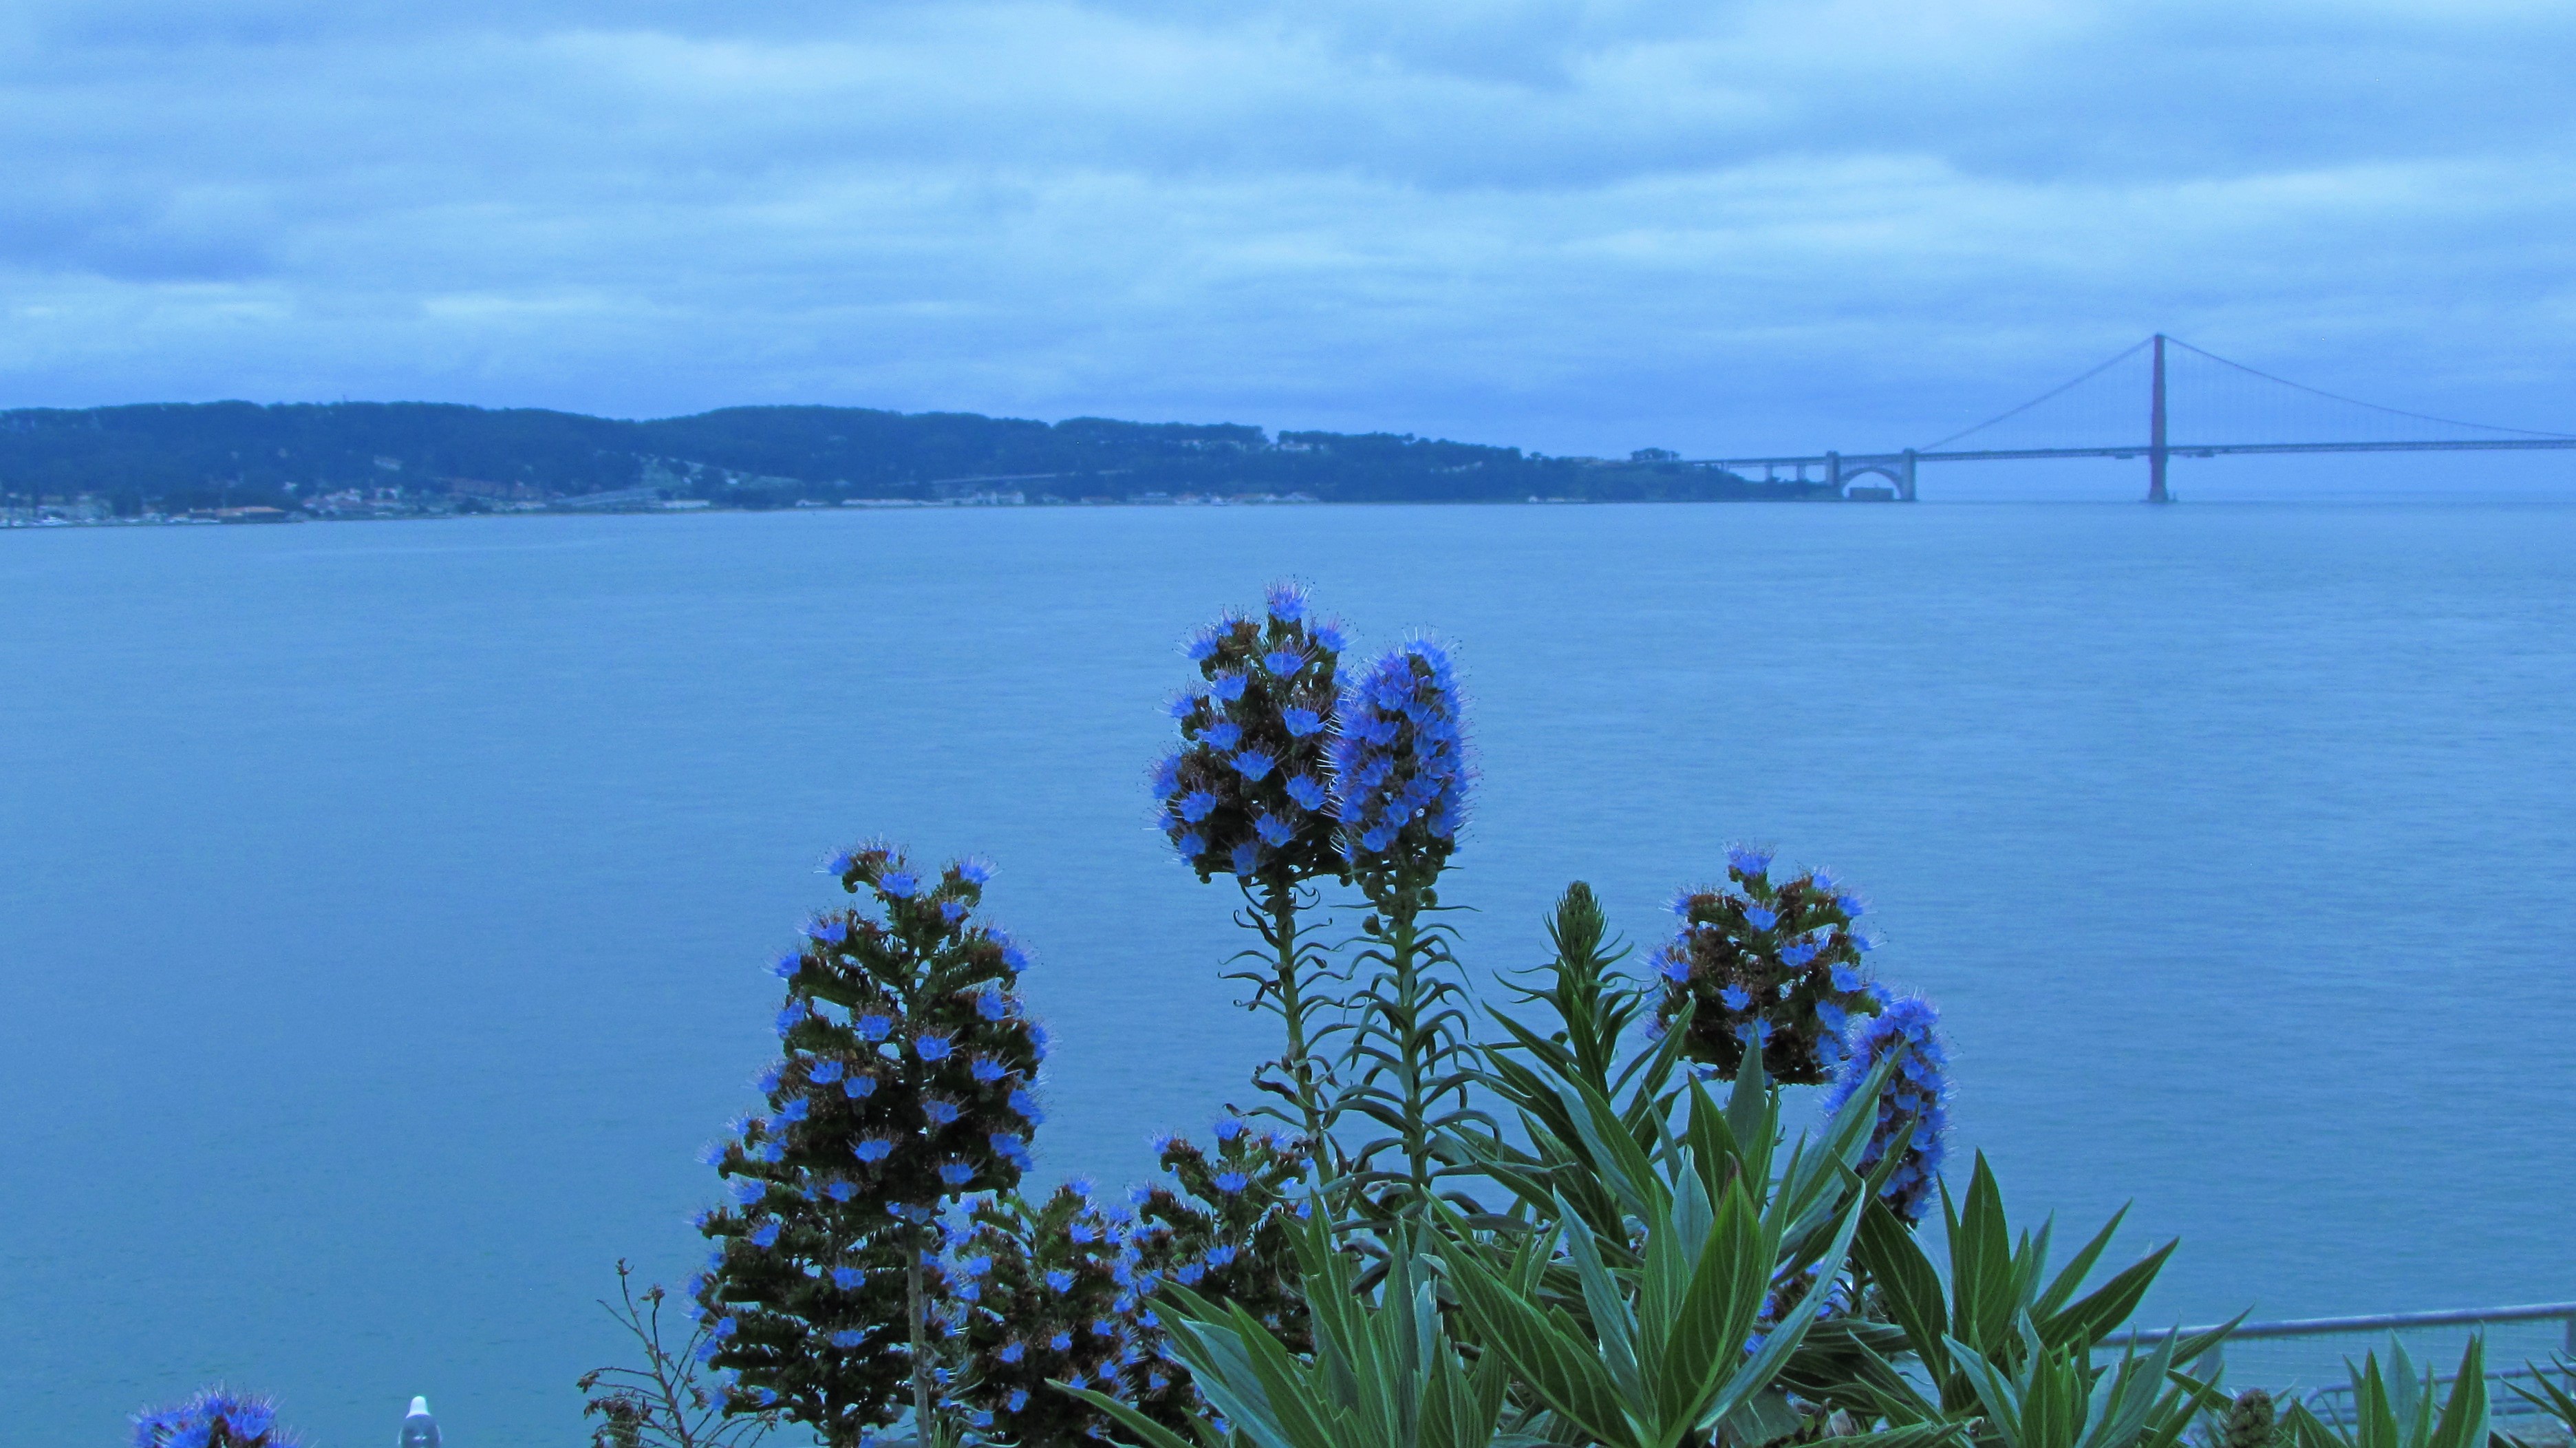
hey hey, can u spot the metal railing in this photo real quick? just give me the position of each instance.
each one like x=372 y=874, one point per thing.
x=2309 y=1357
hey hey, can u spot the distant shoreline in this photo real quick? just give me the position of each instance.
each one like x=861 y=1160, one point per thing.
x=266 y=516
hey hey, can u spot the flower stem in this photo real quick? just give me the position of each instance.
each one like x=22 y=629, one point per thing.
x=1297 y=1059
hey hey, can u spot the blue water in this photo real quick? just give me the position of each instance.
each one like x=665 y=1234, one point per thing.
x=383 y=907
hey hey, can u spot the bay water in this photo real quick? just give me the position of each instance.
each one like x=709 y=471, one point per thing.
x=384 y=908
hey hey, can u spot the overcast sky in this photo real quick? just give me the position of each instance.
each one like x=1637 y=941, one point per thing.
x=1578 y=227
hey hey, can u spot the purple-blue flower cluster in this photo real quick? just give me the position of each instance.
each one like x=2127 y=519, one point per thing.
x=1768 y=963
x=1915 y=1099
x=1245 y=793
x=1399 y=760
x=1065 y=1292
x=213 y=1418
x=906 y=1079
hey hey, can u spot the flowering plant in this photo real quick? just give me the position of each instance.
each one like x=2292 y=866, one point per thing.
x=213 y=1418
x=1662 y=1274
x=906 y=1080
x=1247 y=794
x=1067 y=1293
x=1773 y=962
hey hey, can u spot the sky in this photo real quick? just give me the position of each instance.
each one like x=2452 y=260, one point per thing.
x=1575 y=227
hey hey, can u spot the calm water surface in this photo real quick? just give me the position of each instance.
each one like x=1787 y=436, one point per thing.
x=383 y=908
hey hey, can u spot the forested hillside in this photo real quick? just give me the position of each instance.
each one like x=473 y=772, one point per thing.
x=171 y=457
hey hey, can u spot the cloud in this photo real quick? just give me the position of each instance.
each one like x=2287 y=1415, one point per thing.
x=1575 y=226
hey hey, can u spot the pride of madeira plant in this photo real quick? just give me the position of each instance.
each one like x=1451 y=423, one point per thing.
x=214 y=1418
x=1653 y=1269
x=905 y=1082
x=1248 y=794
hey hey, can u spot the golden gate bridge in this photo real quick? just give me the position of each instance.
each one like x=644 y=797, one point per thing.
x=2168 y=432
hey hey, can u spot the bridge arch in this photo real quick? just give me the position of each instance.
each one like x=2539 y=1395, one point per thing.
x=1899 y=475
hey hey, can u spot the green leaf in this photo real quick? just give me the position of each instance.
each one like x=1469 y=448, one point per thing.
x=1911 y=1288
x=2464 y=1417
x=1153 y=1434
x=2092 y=1319
x=1982 y=1303
x=2072 y=1277
x=1563 y=1371
x=1703 y=1339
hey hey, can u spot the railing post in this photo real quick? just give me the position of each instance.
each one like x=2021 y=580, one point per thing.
x=2571 y=1336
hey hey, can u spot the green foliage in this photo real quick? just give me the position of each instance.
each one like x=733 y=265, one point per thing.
x=2396 y=1409
x=1382 y=1372
x=1533 y=1072
x=2057 y=1397
x=2553 y=1398
x=1665 y=1339
x=1999 y=1286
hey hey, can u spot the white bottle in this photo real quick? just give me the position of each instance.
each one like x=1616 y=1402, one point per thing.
x=420 y=1430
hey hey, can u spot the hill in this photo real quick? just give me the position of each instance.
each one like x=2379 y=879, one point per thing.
x=327 y=457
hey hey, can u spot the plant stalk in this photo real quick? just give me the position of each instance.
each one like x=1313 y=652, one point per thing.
x=1281 y=906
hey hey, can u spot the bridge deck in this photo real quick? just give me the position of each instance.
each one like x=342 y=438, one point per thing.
x=2180 y=450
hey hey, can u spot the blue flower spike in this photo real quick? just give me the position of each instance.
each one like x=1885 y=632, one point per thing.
x=1767 y=961
x=1245 y=793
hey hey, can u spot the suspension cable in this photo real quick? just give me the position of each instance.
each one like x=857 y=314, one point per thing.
x=2319 y=391
x=2043 y=397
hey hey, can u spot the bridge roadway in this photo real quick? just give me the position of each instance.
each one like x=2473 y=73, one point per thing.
x=1898 y=467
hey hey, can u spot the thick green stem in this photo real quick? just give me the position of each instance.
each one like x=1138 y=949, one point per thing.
x=1298 y=1061
x=920 y=1341
x=1405 y=964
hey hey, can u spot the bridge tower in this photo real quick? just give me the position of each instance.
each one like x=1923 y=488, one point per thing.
x=2156 y=451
